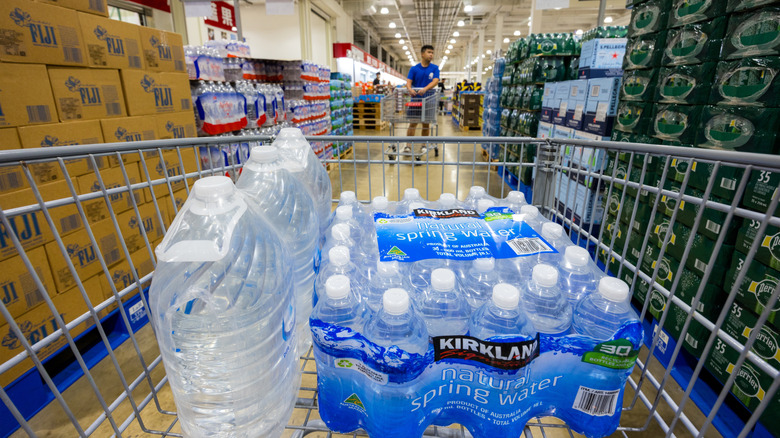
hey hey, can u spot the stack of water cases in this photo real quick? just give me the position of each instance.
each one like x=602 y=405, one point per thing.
x=491 y=107
x=341 y=104
x=705 y=75
x=478 y=312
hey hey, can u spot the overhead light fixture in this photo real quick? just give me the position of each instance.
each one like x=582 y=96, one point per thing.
x=490 y=41
x=408 y=53
x=456 y=34
x=384 y=11
x=453 y=41
x=489 y=52
x=506 y=40
x=579 y=32
x=557 y=9
x=483 y=55
x=461 y=23
x=447 y=51
x=404 y=47
x=401 y=41
x=444 y=57
x=530 y=24
x=392 y=25
x=517 y=33
x=398 y=35
x=449 y=46
x=608 y=19
x=467 y=8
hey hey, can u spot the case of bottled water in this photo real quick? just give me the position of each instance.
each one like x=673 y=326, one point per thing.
x=479 y=312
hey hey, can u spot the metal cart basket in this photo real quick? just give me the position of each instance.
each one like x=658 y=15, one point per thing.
x=82 y=361
x=403 y=110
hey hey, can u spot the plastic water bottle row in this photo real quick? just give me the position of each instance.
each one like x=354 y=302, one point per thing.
x=303 y=110
x=220 y=107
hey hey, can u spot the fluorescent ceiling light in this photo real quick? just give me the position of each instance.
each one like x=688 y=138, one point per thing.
x=461 y=23
x=579 y=32
x=449 y=46
x=557 y=9
x=608 y=19
x=490 y=41
x=444 y=57
x=506 y=40
x=517 y=33
x=408 y=53
x=456 y=34
x=392 y=25
x=453 y=41
x=447 y=51
x=398 y=35
x=483 y=56
x=467 y=8
x=404 y=48
x=383 y=11
x=530 y=24
x=401 y=41
x=489 y=52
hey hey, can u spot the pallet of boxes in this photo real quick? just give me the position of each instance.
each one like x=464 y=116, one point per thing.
x=73 y=77
x=469 y=110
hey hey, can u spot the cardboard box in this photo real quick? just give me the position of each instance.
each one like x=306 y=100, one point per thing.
x=111 y=43
x=39 y=323
x=62 y=134
x=601 y=107
x=83 y=254
x=649 y=17
x=633 y=117
x=741 y=322
x=544 y=130
x=602 y=58
x=575 y=114
x=740 y=128
x=695 y=43
x=756 y=288
x=40 y=34
x=122 y=276
x=748 y=36
x=173 y=167
x=761 y=188
x=35 y=105
x=125 y=129
x=559 y=113
x=701 y=247
x=562 y=132
x=686 y=84
x=18 y=290
x=678 y=123
x=12 y=178
x=87 y=94
x=562 y=90
x=148 y=93
x=97 y=7
x=639 y=85
x=96 y=209
x=176 y=125
x=768 y=251
x=173 y=205
x=152 y=225
x=644 y=51
x=162 y=51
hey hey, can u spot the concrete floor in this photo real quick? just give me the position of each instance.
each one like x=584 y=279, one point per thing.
x=428 y=176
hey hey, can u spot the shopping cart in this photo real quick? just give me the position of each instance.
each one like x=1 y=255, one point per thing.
x=97 y=370
x=402 y=110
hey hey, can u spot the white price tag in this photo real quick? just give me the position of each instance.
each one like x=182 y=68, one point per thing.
x=601 y=112
x=578 y=112
x=562 y=109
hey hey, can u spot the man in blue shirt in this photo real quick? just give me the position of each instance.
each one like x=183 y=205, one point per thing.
x=422 y=78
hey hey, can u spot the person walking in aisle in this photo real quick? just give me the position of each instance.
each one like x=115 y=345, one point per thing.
x=422 y=78
x=376 y=79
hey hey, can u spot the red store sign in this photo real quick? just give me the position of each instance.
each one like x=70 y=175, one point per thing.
x=349 y=50
x=222 y=16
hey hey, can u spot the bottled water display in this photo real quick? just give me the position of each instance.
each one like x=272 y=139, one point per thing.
x=284 y=202
x=218 y=108
x=222 y=305
x=471 y=320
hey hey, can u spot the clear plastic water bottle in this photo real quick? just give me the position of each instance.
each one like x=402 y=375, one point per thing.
x=344 y=215
x=578 y=274
x=448 y=201
x=284 y=202
x=484 y=204
x=226 y=335
x=532 y=217
x=421 y=270
x=398 y=324
x=387 y=275
x=544 y=302
x=514 y=200
x=501 y=316
x=380 y=204
x=443 y=306
x=339 y=262
x=340 y=235
x=341 y=305
x=554 y=235
x=599 y=315
x=292 y=143
x=479 y=281
x=410 y=201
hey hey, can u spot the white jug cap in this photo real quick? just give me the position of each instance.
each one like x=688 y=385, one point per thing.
x=577 y=255
x=379 y=203
x=485 y=264
x=411 y=193
x=264 y=154
x=515 y=196
x=552 y=231
x=337 y=287
x=344 y=213
x=442 y=279
x=347 y=197
x=506 y=296
x=395 y=301
x=212 y=188
x=613 y=289
x=545 y=275
x=387 y=267
x=476 y=191
x=339 y=255
x=290 y=133
x=484 y=204
x=530 y=211
x=340 y=231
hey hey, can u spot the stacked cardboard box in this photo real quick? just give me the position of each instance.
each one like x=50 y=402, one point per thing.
x=71 y=76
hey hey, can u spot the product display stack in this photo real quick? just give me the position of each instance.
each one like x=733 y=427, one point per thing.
x=341 y=104
x=466 y=111
x=703 y=76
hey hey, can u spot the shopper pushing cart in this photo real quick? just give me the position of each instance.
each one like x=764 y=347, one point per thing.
x=421 y=82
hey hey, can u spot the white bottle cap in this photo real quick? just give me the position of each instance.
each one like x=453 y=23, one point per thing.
x=476 y=192
x=577 y=256
x=264 y=154
x=442 y=279
x=530 y=211
x=395 y=301
x=339 y=255
x=506 y=296
x=290 y=133
x=347 y=197
x=447 y=199
x=485 y=264
x=212 y=188
x=411 y=193
x=344 y=213
x=552 y=231
x=387 y=267
x=613 y=289
x=340 y=231
x=545 y=275
x=337 y=287
x=484 y=204
x=516 y=197
x=379 y=203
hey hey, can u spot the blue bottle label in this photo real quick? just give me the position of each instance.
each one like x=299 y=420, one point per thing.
x=458 y=234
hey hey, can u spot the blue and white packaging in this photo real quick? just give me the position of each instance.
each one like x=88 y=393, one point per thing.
x=562 y=132
x=602 y=58
x=491 y=386
x=544 y=130
x=562 y=90
x=578 y=201
x=548 y=100
x=601 y=107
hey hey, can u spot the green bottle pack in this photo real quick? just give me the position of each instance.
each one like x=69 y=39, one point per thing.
x=740 y=128
x=744 y=5
x=677 y=124
x=644 y=51
x=649 y=17
x=695 y=43
x=633 y=117
x=639 y=85
x=693 y=11
x=688 y=84
x=753 y=33
x=748 y=81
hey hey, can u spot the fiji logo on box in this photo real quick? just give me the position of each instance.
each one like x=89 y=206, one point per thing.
x=90 y=94
x=172 y=169
x=25 y=227
x=112 y=197
x=114 y=44
x=50 y=140
x=147 y=222
x=163 y=96
x=84 y=254
x=122 y=134
x=9 y=294
x=163 y=50
x=123 y=277
x=177 y=131
x=42 y=34
x=33 y=332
